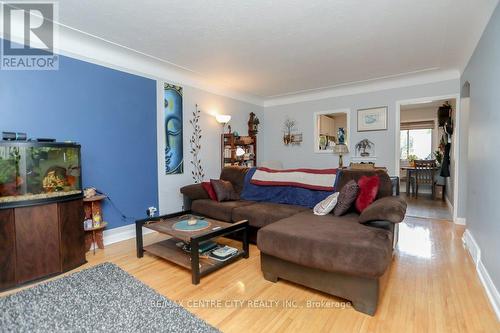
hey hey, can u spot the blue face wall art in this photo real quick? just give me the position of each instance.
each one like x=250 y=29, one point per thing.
x=173 y=129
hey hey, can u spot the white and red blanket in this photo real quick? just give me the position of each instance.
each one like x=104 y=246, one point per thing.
x=313 y=179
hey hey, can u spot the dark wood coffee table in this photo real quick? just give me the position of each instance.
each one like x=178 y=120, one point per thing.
x=168 y=249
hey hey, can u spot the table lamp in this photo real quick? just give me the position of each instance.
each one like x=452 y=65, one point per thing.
x=340 y=149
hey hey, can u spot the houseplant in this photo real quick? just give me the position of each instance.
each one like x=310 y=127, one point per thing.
x=288 y=127
x=363 y=145
x=9 y=174
x=438 y=155
x=411 y=159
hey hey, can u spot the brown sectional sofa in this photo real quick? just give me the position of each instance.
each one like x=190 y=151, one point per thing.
x=336 y=255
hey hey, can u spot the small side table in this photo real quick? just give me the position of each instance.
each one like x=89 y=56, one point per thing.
x=93 y=211
x=94 y=236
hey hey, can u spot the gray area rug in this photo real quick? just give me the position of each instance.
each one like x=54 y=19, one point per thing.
x=101 y=298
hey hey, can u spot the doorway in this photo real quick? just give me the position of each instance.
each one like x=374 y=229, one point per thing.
x=426 y=155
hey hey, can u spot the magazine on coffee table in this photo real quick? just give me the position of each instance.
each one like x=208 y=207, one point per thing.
x=223 y=253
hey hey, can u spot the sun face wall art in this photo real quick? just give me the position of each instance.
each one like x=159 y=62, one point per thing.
x=172 y=119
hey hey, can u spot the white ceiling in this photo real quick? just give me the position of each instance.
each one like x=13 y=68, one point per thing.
x=273 y=48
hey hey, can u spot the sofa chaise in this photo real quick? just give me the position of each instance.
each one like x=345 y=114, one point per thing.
x=337 y=255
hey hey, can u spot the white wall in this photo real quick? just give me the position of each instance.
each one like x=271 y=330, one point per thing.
x=170 y=198
x=302 y=112
x=463 y=158
x=483 y=182
x=196 y=90
x=211 y=98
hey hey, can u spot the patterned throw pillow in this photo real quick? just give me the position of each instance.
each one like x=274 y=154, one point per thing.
x=347 y=196
x=224 y=190
x=326 y=206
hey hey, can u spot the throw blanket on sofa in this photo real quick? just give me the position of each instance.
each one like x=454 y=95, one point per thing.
x=313 y=179
x=282 y=194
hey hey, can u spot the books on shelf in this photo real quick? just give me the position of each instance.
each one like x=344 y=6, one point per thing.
x=230 y=144
x=211 y=250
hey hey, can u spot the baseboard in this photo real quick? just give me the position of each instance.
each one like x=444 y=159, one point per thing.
x=119 y=234
x=450 y=206
x=490 y=288
x=471 y=245
x=456 y=220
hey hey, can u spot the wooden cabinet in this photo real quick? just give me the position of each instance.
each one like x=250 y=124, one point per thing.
x=327 y=126
x=37 y=242
x=7 y=249
x=40 y=241
x=72 y=234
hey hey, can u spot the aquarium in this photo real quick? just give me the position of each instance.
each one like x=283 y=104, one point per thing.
x=33 y=172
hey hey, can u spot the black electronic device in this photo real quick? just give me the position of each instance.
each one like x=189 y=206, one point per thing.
x=45 y=140
x=14 y=136
x=9 y=136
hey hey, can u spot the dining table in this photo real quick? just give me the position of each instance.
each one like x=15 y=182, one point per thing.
x=410 y=171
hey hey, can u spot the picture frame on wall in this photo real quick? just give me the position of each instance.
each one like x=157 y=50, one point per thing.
x=372 y=119
x=172 y=122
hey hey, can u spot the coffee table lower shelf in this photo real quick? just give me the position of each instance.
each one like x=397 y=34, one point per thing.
x=168 y=250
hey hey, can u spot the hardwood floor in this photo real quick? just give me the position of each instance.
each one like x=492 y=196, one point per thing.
x=432 y=286
x=426 y=207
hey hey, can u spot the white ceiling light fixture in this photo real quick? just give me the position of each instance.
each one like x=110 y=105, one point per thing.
x=223 y=119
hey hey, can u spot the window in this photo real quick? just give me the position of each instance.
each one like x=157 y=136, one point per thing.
x=416 y=142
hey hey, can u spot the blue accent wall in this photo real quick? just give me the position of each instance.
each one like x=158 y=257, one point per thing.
x=112 y=114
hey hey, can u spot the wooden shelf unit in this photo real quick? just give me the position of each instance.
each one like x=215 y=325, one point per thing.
x=229 y=144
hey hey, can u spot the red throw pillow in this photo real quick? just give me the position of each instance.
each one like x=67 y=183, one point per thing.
x=368 y=189
x=210 y=190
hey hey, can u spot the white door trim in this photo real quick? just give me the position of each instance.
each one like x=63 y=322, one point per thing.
x=456 y=135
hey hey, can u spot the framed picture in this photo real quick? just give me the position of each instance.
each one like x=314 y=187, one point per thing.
x=172 y=120
x=373 y=119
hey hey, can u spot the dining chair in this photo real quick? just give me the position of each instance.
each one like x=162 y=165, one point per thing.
x=425 y=171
